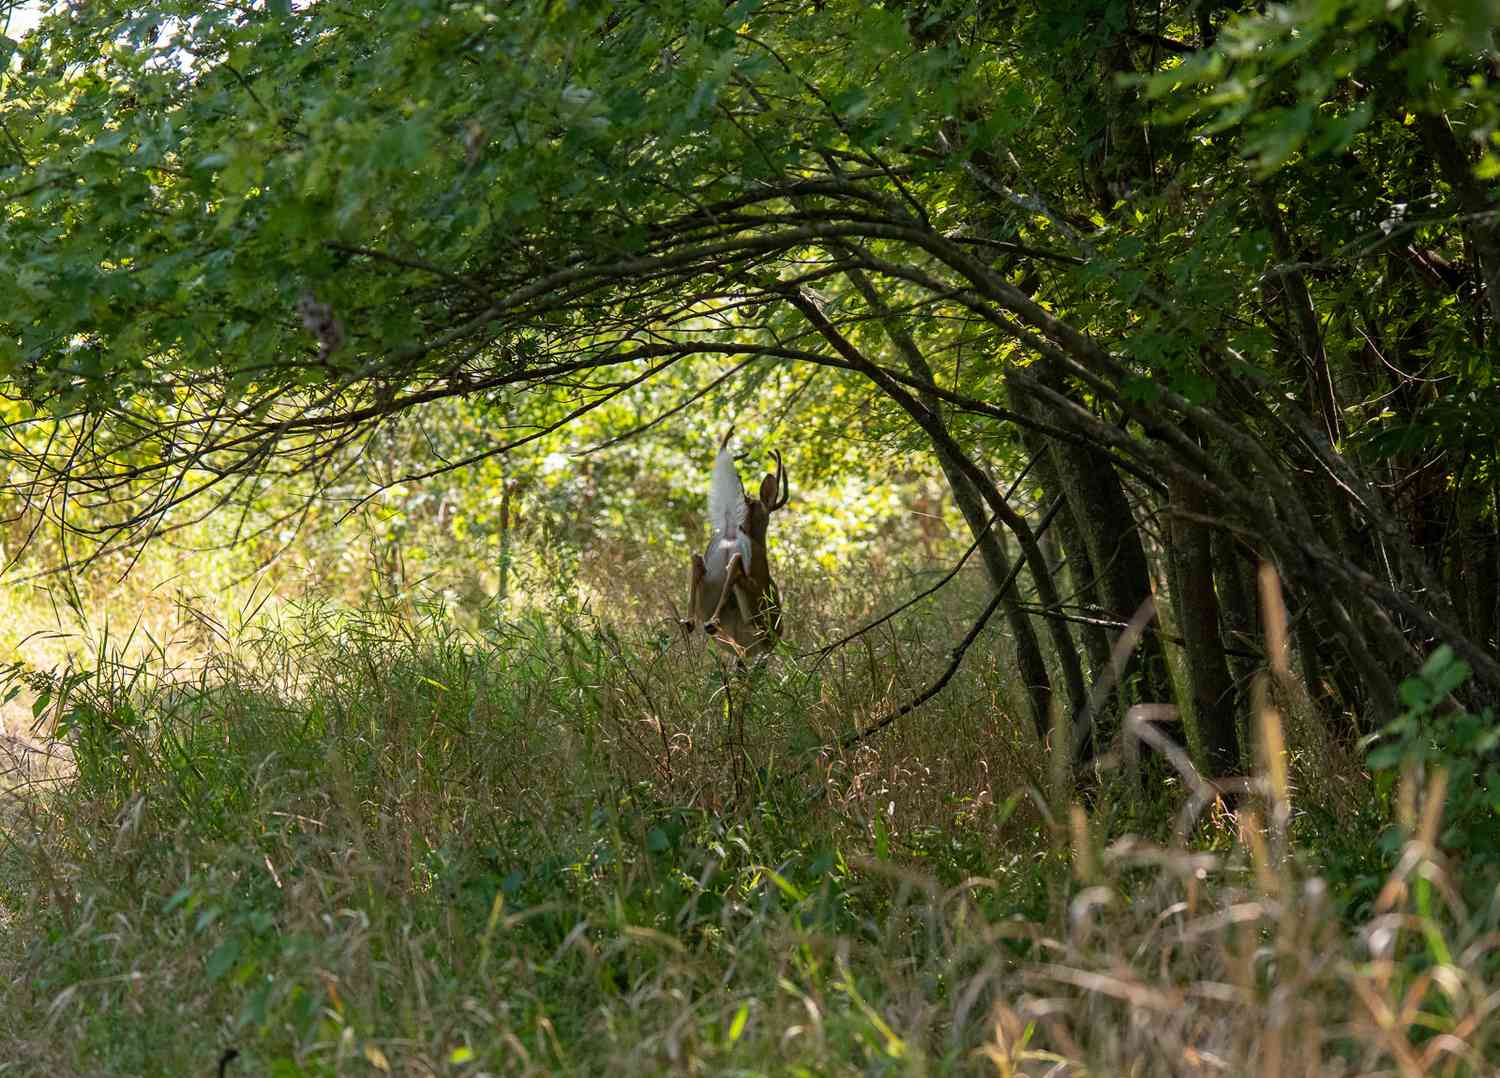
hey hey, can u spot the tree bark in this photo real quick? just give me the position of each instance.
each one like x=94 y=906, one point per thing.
x=1120 y=578
x=1083 y=582
x=1475 y=563
x=1209 y=684
x=1083 y=574
x=1234 y=583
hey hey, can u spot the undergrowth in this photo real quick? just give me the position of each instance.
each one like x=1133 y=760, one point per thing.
x=375 y=843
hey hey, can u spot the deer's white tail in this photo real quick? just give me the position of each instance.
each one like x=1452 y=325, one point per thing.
x=726 y=498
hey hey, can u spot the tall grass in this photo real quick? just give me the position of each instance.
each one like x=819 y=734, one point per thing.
x=375 y=843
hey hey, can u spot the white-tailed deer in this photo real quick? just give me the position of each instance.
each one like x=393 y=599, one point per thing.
x=730 y=588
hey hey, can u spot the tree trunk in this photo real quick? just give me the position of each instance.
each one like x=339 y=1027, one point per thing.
x=1084 y=582
x=1197 y=607
x=1474 y=558
x=1234 y=583
x=1083 y=576
x=1030 y=664
x=1121 y=575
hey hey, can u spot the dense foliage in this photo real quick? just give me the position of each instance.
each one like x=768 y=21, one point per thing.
x=1224 y=269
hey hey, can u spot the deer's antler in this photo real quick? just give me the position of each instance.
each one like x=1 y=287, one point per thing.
x=783 y=485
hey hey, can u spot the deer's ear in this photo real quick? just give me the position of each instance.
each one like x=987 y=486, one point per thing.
x=768 y=490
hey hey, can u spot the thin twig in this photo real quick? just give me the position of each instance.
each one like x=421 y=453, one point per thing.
x=958 y=653
x=824 y=651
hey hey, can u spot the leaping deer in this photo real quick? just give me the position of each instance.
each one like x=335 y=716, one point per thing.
x=730 y=587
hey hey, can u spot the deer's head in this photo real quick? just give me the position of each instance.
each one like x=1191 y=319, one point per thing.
x=774 y=492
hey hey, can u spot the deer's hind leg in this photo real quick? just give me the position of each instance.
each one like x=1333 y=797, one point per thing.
x=743 y=597
x=695 y=594
x=734 y=573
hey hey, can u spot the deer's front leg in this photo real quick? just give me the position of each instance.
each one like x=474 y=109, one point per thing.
x=733 y=573
x=695 y=594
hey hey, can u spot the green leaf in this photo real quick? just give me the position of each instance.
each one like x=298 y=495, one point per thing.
x=1416 y=693
x=222 y=959
x=1386 y=756
x=180 y=896
x=785 y=886
x=737 y=1025
x=1444 y=671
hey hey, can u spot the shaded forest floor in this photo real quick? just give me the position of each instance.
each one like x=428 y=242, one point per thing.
x=364 y=843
